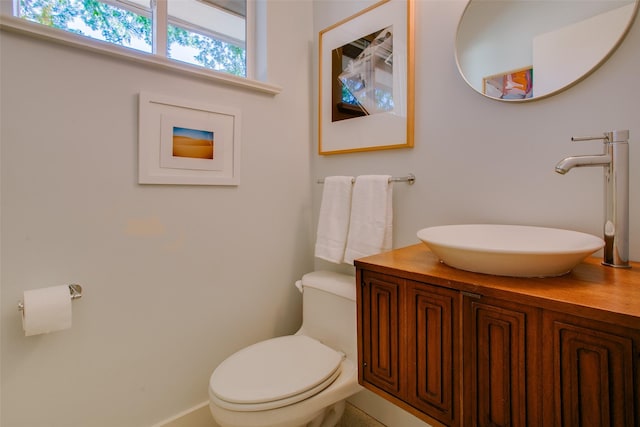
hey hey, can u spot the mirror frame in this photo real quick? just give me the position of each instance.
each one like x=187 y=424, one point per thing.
x=604 y=59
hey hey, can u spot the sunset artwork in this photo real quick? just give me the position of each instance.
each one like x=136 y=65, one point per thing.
x=192 y=143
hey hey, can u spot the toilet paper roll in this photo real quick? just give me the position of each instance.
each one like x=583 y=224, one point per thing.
x=46 y=310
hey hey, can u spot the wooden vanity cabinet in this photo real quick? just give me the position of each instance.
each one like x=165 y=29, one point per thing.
x=408 y=344
x=379 y=299
x=591 y=372
x=459 y=348
x=432 y=349
x=502 y=366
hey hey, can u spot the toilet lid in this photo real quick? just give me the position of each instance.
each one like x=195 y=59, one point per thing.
x=275 y=372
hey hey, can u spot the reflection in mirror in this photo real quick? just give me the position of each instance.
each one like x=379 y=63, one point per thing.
x=362 y=76
x=528 y=49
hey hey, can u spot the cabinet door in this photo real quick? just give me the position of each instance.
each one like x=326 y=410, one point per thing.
x=380 y=332
x=592 y=371
x=432 y=351
x=501 y=363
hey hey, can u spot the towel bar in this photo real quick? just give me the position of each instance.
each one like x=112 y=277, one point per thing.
x=75 y=292
x=411 y=178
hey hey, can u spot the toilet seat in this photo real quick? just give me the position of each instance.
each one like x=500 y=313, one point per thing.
x=274 y=373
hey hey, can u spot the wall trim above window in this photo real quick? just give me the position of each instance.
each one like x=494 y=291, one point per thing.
x=20 y=26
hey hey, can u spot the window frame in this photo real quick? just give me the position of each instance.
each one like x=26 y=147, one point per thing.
x=158 y=58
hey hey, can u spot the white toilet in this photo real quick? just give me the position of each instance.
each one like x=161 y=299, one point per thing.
x=296 y=380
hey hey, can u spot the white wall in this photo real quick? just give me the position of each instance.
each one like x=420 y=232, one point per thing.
x=175 y=277
x=481 y=160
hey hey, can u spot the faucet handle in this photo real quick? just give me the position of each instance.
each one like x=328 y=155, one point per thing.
x=612 y=136
x=590 y=138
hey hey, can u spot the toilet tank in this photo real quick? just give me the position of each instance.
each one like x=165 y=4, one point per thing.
x=329 y=310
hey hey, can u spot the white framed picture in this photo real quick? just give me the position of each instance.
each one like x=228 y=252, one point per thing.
x=182 y=142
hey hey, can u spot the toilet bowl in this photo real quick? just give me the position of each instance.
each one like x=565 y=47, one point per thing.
x=296 y=380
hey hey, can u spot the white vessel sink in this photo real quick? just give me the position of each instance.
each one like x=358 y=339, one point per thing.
x=510 y=250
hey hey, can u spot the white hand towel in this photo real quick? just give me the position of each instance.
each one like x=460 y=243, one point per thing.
x=371 y=224
x=333 y=223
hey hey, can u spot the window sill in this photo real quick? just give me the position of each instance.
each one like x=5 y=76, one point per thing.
x=21 y=26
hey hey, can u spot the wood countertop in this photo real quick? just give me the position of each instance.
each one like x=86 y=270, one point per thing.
x=590 y=290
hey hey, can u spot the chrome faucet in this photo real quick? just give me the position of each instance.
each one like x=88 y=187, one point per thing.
x=615 y=161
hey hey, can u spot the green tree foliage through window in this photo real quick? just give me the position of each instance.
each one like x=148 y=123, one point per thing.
x=124 y=27
x=212 y=53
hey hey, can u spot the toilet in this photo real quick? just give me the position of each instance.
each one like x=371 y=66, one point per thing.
x=295 y=380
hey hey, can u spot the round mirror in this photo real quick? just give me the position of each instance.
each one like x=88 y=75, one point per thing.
x=520 y=50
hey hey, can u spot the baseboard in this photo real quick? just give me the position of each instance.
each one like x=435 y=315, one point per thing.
x=200 y=416
x=197 y=416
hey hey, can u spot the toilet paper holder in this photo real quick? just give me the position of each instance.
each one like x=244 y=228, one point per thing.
x=75 y=292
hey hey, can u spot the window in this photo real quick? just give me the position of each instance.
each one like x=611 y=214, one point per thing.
x=207 y=33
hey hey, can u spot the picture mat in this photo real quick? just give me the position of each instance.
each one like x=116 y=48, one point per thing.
x=378 y=130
